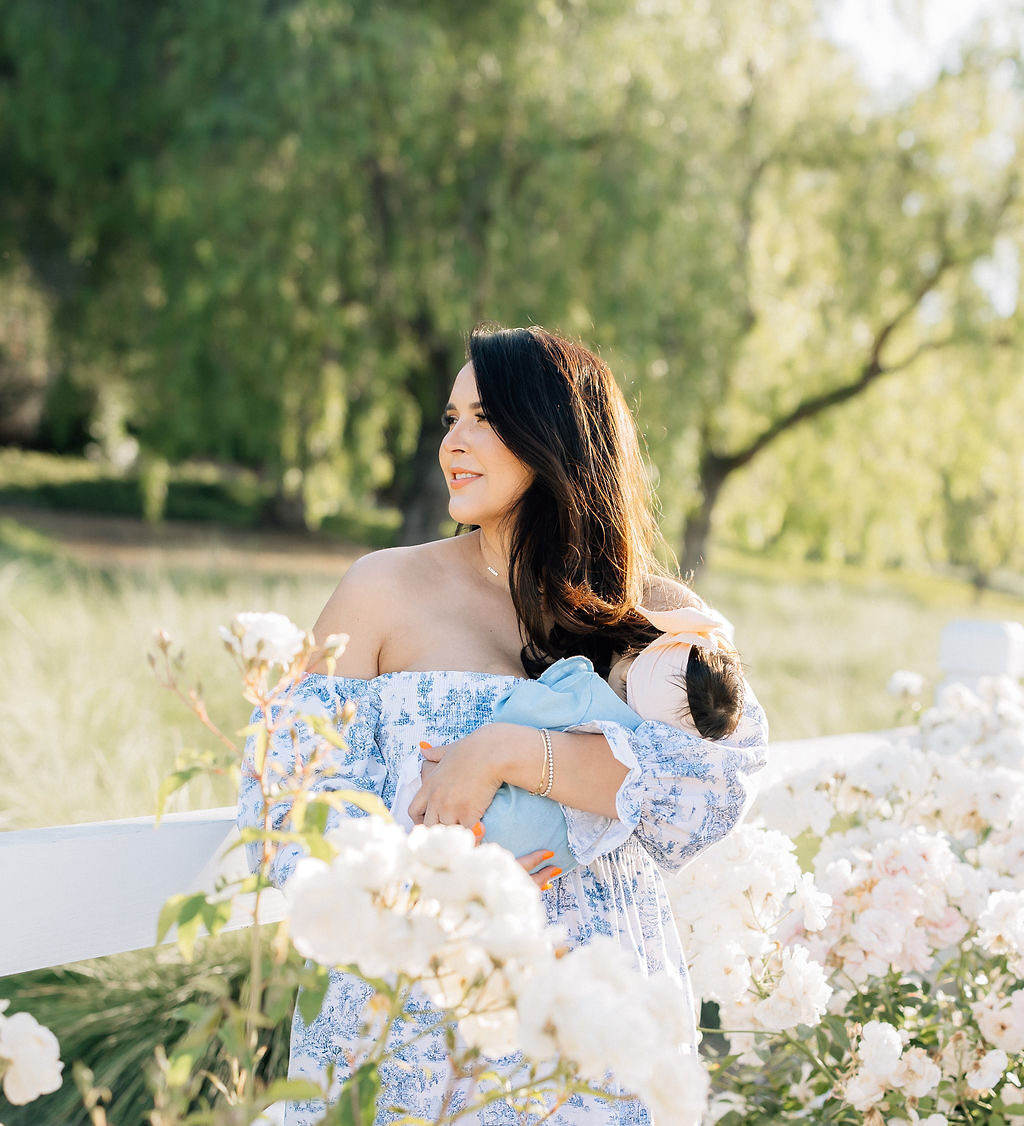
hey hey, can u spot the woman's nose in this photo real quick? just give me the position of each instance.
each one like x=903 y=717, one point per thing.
x=454 y=438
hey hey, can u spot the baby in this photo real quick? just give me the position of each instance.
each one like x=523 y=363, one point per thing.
x=689 y=677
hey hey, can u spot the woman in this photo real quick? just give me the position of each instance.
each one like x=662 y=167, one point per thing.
x=542 y=461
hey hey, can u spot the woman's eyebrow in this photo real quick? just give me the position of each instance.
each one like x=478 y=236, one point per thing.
x=450 y=406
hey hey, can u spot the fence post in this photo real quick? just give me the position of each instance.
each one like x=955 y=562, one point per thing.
x=972 y=650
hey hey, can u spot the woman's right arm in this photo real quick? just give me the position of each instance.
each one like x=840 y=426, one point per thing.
x=358 y=607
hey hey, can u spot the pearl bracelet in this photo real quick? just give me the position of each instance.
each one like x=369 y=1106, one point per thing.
x=548 y=771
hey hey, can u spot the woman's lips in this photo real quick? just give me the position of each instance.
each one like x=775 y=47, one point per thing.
x=458 y=482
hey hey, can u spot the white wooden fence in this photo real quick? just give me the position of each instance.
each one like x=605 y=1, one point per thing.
x=83 y=891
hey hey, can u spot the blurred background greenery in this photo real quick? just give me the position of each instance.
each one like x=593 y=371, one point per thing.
x=241 y=246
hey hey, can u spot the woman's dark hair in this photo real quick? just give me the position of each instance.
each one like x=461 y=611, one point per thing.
x=714 y=691
x=582 y=534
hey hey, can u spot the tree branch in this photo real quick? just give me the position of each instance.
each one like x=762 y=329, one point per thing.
x=872 y=370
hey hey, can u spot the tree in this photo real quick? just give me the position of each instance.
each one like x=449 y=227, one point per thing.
x=278 y=223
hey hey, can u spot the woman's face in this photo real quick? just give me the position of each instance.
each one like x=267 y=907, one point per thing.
x=484 y=477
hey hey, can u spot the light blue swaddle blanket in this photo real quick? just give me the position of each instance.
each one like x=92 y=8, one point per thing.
x=566 y=694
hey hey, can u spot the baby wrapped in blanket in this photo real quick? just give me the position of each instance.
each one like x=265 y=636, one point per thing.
x=663 y=682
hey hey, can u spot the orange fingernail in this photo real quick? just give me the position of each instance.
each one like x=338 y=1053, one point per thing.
x=424 y=746
x=546 y=887
x=546 y=855
x=555 y=872
x=479 y=830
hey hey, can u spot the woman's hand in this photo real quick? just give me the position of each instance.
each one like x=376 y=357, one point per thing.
x=543 y=877
x=459 y=787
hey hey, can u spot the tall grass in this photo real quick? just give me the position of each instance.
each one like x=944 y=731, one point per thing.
x=88 y=733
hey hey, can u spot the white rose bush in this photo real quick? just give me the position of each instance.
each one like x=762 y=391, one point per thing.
x=877 y=979
x=429 y=912
x=857 y=945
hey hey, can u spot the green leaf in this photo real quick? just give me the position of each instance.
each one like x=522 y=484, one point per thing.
x=188 y=931
x=292 y=1090
x=194 y=1013
x=249 y=835
x=168 y=916
x=370 y=803
x=259 y=755
x=170 y=785
x=215 y=916
x=357 y=1103
x=319 y=849
x=311 y=996
x=316 y=818
x=179 y=1067
x=232 y=1035
x=326 y=730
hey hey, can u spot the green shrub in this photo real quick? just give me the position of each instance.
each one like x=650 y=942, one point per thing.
x=112 y=1013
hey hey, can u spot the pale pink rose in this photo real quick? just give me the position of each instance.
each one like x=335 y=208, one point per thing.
x=864 y=1090
x=917 y=1075
x=917 y=952
x=985 y=1073
x=948 y=928
x=1001 y=1020
x=880 y=933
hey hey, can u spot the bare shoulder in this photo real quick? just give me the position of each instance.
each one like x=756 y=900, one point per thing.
x=362 y=605
x=373 y=599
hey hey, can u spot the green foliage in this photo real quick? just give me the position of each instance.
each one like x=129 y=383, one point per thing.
x=266 y=231
x=112 y=1013
x=189 y=492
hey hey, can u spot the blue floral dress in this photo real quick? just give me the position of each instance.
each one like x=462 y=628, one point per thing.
x=680 y=795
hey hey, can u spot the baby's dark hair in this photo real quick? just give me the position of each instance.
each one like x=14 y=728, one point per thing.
x=714 y=691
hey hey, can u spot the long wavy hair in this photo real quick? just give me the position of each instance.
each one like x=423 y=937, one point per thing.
x=583 y=533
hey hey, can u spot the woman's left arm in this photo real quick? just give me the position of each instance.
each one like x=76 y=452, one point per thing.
x=678 y=792
x=587 y=774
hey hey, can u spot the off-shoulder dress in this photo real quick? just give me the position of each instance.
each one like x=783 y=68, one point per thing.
x=681 y=794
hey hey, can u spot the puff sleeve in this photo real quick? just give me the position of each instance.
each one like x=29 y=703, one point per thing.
x=681 y=794
x=359 y=767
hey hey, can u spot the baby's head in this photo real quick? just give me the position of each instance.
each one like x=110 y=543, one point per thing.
x=690 y=677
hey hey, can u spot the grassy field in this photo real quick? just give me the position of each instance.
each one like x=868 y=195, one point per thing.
x=88 y=733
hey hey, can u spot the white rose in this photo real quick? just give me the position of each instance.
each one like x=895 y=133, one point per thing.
x=1011 y=1094
x=880 y=1049
x=985 y=1073
x=864 y=1090
x=33 y=1056
x=815 y=904
x=917 y=1074
x=676 y=1089
x=721 y=973
x=1001 y=924
x=879 y=933
x=269 y=638
x=800 y=995
x=1001 y=1020
x=905 y=683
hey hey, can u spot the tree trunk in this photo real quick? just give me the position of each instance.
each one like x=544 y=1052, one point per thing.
x=424 y=499
x=713 y=472
x=422 y=492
